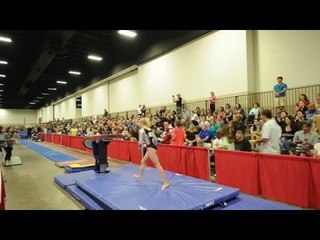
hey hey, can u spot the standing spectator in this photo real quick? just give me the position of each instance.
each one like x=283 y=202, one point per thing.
x=178 y=100
x=212 y=102
x=270 y=135
x=29 y=130
x=303 y=98
x=241 y=143
x=139 y=111
x=143 y=110
x=8 y=145
x=178 y=135
x=105 y=114
x=280 y=93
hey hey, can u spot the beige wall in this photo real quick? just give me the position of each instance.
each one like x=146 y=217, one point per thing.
x=17 y=116
x=295 y=55
x=95 y=101
x=65 y=109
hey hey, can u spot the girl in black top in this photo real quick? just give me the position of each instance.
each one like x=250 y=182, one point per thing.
x=148 y=140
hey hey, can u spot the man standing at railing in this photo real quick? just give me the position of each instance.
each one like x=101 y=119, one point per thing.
x=280 y=93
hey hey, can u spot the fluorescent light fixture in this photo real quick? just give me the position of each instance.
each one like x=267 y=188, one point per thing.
x=39 y=97
x=45 y=94
x=74 y=72
x=127 y=33
x=78 y=100
x=61 y=82
x=36 y=101
x=3 y=62
x=52 y=89
x=96 y=58
x=1 y=90
x=5 y=39
x=2 y=75
x=32 y=103
x=1 y=84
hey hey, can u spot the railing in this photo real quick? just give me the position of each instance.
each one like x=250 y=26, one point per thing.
x=265 y=99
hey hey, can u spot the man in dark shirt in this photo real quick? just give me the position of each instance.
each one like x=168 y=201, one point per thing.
x=241 y=144
x=178 y=100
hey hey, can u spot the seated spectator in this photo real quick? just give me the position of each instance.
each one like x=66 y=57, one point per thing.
x=303 y=98
x=316 y=124
x=73 y=131
x=227 y=140
x=195 y=118
x=310 y=112
x=240 y=111
x=191 y=135
x=241 y=143
x=277 y=117
x=317 y=103
x=302 y=108
x=299 y=121
x=178 y=135
x=316 y=151
x=287 y=135
x=304 y=140
x=217 y=142
x=228 y=113
x=214 y=126
x=204 y=136
x=221 y=114
x=238 y=124
x=255 y=128
x=253 y=113
x=282 y=119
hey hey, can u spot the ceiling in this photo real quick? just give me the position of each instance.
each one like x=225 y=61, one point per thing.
x=37 y=59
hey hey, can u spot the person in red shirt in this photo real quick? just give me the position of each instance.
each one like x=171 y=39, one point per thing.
x=303 y=98
x=178 y=135
x=212 y=102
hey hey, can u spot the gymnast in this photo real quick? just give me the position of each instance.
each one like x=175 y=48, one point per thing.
x=148 y=140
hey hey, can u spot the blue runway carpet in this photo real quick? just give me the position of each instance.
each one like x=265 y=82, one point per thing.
x=47 y=152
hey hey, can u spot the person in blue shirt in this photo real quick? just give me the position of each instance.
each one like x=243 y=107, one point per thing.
x=280 y=93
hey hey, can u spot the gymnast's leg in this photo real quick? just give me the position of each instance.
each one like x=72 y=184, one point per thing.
x=142 y=166
x=154 y=158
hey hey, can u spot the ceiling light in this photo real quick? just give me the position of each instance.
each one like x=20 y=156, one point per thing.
x=32 y=103
x=3 y=62
x=52 y=89
x=1 y=90
x=5 y=39
x=127 y=33
x=45 y=94
x=74 y=72
x=96 y=58
x=1 y=84
x=39 y=97
x=61 y=82
x=2 y=75
x=36 y=101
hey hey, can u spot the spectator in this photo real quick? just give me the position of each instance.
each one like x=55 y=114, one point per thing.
x=178 y=135
x=212 y=102
x=238 y=124
x=228 y=113
x=277 y=117
x=253 y=113
x=217 y=143
x=270 y=134
x=195 y=118
x=178 y=100
x=221 y=114
x=139 y=111
x=303 y=98
x=240 y=111
x=186 y=116
x=214 y=126
x=255 y=128
x=299 y=121
x=302 y=108
x=280 y=93
x=282 y=119
x=316 y=124
x=304 y=140
x=105 y=114
x=310 y=112
x=143 y=110
x=204 y=136
x=241 y=143
x=191 y=135
x=73 y=131
x=287 y=135
x=317 y=104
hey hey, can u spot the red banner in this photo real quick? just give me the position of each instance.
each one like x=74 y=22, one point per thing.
x=285 y=178
x=135 y=152
x=56 y=139
x=315 y=183
x=119 y=150
x=238 y=169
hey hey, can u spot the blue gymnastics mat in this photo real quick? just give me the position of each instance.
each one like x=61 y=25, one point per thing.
x=83 y=198
x=70 y=179
x=246 y=202
x=47 y=152
x=119 y=190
